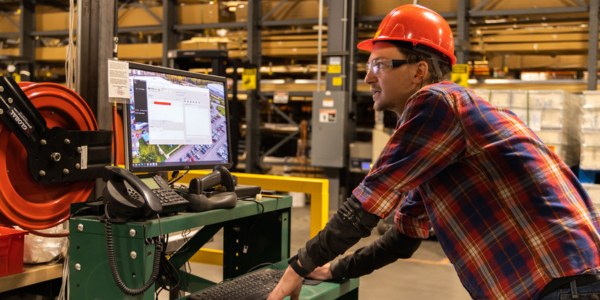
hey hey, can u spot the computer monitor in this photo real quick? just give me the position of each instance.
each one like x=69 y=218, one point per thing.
x=176 y=120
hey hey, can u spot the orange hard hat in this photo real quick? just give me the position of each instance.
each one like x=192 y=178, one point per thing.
x=416 y=24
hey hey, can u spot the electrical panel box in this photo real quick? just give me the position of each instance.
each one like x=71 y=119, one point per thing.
x=360 y=157
x=329 y=127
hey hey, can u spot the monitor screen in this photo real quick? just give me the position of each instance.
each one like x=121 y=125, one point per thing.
x=176 y=120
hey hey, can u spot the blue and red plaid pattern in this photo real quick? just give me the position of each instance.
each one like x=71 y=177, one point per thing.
x=508 y=212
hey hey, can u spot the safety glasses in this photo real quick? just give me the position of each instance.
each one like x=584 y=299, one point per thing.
x=376 y=66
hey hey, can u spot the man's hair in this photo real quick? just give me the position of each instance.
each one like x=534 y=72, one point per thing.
x=415 y=54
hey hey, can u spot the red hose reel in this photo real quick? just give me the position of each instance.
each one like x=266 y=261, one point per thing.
x=23 y=201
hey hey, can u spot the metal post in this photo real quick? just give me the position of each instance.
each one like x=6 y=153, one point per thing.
x=319 y=46
x=462 y=49
x=168 y=28
x=352 y=16
x=95 y=32
x=105 y=20
x=234 y=113
x=27 y=44
x=252 y=102
x=337 y=21
x=593 y=48
x=86 y=73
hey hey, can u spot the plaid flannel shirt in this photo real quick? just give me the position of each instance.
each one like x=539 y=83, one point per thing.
x=508 y=212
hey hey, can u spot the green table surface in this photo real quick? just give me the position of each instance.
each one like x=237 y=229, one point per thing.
x=182 y=220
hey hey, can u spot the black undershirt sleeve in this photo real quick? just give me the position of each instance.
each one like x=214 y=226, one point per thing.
x=347 y=226
x=386 y=250
x=345 y=229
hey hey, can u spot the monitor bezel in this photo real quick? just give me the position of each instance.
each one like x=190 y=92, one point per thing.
x=180 y=167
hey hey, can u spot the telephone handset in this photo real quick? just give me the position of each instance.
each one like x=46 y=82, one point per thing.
x=127 y=197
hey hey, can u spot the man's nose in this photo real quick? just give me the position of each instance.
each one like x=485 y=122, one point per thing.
x=370 y=77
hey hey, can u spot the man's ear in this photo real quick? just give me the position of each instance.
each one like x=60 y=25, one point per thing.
x=419 y=74
x=422 y=71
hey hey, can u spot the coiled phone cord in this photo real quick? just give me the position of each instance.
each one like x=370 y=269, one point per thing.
x=113 y=265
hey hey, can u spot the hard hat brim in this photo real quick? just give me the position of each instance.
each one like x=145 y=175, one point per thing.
x=367 y=45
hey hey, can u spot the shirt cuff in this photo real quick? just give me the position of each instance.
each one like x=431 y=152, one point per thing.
x=412 y=227
x=336 y=270
x=305 y=261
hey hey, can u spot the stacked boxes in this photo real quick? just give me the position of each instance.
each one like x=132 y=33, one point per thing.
x=590 y=131
x=554 y=116
x=593 y=191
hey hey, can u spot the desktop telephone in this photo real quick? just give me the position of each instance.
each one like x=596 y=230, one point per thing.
x=127 y=197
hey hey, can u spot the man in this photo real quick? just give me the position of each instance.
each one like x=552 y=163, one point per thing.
x=510 y=215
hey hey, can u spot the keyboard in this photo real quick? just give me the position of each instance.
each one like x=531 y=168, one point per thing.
x=254 y=286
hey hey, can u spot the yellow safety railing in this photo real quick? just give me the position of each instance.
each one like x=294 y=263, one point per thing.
x=317 y=188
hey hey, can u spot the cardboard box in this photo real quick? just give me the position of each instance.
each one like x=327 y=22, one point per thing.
x=129 y=17
x=590 y=158
x=134 y=17
x=593 y=191
x=519 y=4
x=241 y=13
x=590 y=138
x=591 y=119
x=552 y=136
x=51 y=53
x=293 y=10
x=591 y=99
x=10 y=51
x=207 y=13
x=6 y=26
x=140 y=51
x=539 y=61
x=137 y=16
x=202 y=46
x=126 y=51
x=384 y=7
x=538 y=99
x=53 y=21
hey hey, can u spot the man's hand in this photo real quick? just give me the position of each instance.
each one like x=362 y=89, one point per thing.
x=289 y=285
x=321 y=273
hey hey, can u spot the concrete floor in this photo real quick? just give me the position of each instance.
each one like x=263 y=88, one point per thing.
x=427 y=275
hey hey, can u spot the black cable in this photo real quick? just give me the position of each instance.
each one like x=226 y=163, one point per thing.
x=106 y=212
x=262 y=265
x=175 y=180
x=181 y=189
x=187 y=264
x=79 y=211
x=160 y=289
x=174 y=174
x=252 y=200
x=167 y=274
x=247 y=237
x=169 y=278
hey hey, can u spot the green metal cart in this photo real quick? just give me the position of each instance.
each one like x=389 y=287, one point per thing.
x=264 y=234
